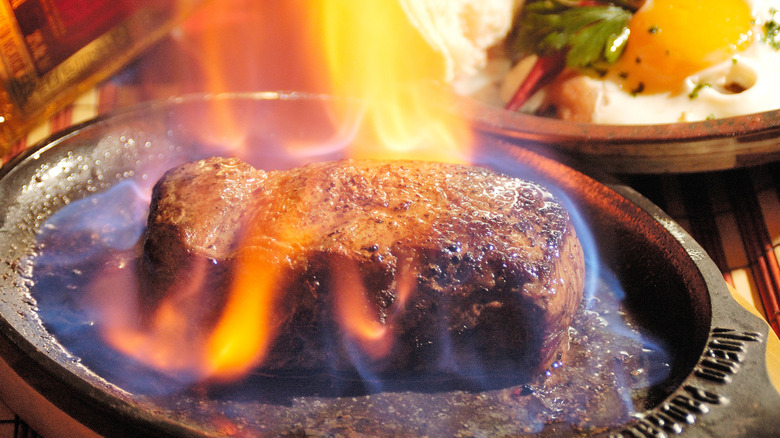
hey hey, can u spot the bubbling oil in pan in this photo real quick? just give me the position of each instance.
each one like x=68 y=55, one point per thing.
x=613 y=369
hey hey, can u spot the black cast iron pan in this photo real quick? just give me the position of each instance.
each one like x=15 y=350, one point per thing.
x=718 y=384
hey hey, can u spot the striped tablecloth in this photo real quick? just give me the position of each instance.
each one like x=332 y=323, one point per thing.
x=734 y=215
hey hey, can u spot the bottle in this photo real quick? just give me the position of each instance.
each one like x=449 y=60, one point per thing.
x=51 y=51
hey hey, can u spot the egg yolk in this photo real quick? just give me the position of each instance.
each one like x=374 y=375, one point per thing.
x=672 y=39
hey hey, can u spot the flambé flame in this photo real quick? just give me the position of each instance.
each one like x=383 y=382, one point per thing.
x=165 y=340
x=374 y=53
x=246 y=328
x=370 y=53
x=359 y=319
x=248 y=323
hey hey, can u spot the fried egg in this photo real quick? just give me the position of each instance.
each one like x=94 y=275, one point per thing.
x=690 y=60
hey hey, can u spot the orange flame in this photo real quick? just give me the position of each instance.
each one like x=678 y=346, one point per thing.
x=406 y=281
x=249 y=321
x=166 y=341
x=355 y=311
x=368 y=50
x=374 y=53
x=246 y=328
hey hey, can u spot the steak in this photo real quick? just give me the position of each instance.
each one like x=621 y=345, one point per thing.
x=462 y=268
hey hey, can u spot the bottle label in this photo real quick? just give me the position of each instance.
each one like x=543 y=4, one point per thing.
x=53 y=30
x=48 y=45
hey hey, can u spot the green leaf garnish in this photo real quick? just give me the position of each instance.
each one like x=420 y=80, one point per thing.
x=591 y=35
x=695 y=92
x=772 y=31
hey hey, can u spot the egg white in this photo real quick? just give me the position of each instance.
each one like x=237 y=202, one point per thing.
x=705 y=94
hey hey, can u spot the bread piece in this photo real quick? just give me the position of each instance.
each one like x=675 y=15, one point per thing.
x=462 y=30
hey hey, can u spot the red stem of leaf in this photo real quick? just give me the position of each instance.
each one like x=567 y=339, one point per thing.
x=544 y=70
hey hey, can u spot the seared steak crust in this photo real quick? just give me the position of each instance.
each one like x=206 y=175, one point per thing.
x=466 y=267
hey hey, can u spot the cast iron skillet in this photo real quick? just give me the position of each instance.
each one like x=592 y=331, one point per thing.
x=721 y=386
